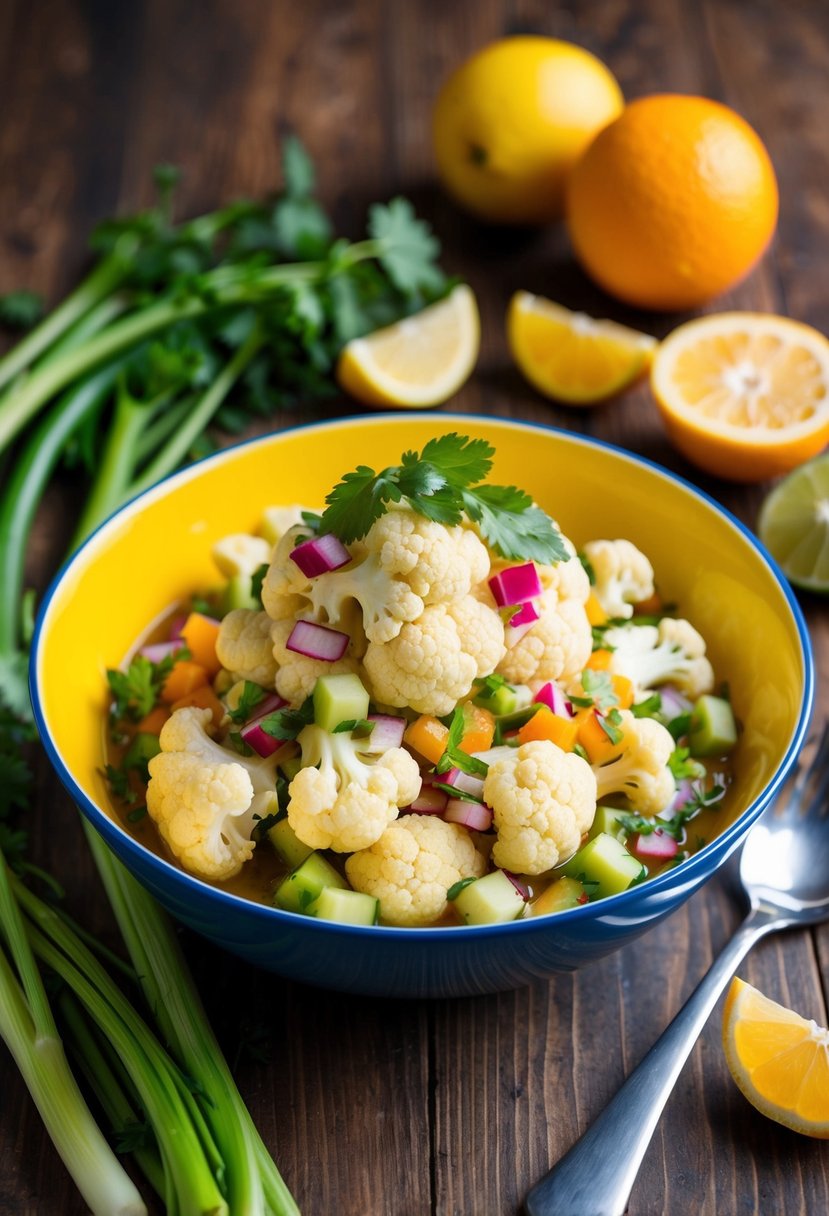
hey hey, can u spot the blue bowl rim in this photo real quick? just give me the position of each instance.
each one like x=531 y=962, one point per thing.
x=182 y=883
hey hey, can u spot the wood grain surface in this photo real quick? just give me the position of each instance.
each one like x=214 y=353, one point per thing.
x=452 y=1108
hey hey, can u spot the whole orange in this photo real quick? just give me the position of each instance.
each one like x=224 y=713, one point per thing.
x=672 y=203
x=510 y=122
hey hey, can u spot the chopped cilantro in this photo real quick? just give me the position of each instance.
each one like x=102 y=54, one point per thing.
x=453 y=757
x=682 y=765
x=680 y=725
x=599 y=687
x=252 y=694
x=136 y=691
x=256 y=581
x=287 y=723
x=456 y=888
x=357 y=726
x=647 y=708
x=611 y=725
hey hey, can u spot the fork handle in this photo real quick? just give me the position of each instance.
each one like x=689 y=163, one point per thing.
x=596 y=1176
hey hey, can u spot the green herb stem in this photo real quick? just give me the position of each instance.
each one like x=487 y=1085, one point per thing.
x=100 y=283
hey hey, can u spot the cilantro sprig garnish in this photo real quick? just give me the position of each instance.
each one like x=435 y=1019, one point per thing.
x=453 y=757
x=251 y=696
x=286 y=724
x=136 y=691
x=443 y=483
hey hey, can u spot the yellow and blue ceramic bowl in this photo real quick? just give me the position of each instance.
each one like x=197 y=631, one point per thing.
x=157 y=551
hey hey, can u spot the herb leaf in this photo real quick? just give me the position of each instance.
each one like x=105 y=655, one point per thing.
x=408 y=250
x=287 y=723
x=251 y=696
x=453 y=756
x=136 y=691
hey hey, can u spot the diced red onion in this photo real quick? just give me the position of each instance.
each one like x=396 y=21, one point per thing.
x=684 y=793
x=473 y=815
x=429 y=801
x=317 y=641
x=388 y=732
x=551 y=695
x=655 y=846
x=320 y=554
x=515 y=585
x=269 y=705
x=673 y=702
x=526 y=615
x=466 y=782
x=520 y=887
x=258 y=738
x=514 y=634
x=176 y=626
x=156 y=652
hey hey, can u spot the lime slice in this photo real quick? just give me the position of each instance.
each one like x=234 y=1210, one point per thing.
x=794 y=525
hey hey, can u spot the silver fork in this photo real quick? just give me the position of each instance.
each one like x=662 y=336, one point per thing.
x=784 y=872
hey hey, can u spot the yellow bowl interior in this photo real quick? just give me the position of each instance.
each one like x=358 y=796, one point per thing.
x=157 y=551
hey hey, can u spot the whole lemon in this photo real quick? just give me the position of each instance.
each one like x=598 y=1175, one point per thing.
x=672 y=203
x=511 y=121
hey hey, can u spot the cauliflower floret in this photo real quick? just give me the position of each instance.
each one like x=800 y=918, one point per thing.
x=649 y=655
x=342 y=799
x=543 y=801
x=412 y=866
x=206 y=800
x=240 y=554
x=403 y=563
x=558 y=644
x=244 y=646
x=623 y=574
x=434 y=660
x=640 y=770
x=296 y=674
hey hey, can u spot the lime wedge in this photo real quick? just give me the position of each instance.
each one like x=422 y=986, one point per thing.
x=794 y=525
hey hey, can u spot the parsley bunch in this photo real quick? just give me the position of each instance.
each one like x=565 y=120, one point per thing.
x=443 y=483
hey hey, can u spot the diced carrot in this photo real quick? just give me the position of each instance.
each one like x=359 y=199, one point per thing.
x=185 y=677
x=596 y=615
x=594 y=738
x=652 y=606
x=203 y=698
x=623 y=687
x=599 y=660
x=478 y=729
x=200 y=635
x=428 y=737
x=155 y=719
x=544 y=724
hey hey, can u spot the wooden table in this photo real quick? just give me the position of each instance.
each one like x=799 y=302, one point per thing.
x=377 y=1108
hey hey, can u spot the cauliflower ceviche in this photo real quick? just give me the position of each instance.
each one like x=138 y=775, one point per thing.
x=421 y=707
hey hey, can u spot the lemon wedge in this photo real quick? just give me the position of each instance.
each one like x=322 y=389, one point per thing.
x=779 y=1060
x=572 y=357
x=419 y=361
x=794 y=525
x=744 y=395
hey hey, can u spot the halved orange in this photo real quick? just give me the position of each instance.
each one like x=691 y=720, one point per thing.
x=419 y=361
x=779 y=1060
x=744 y=395
x=571 y=357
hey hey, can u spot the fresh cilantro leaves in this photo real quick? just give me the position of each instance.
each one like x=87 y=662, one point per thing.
x=648 y=708
x=252 y=694
x=611 y=723
x=599 y=687
x=361 y=727
x=286 y=724
x=682 y=765
x=136 y=691
x=408 y=250
x=441 y=483
x=453 y=757
x=257 y=579
x=456 y=888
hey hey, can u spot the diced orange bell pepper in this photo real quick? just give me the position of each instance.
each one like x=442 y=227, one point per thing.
x=596 y=615
x=203 y=698
x=623 y=687
x=478 y=729
x=428 y=737
x=594 y=738
x=599 y=660
x=185 y=677
x=652 y=606
x=544 y=724
x=200 y=634
x=155 y=719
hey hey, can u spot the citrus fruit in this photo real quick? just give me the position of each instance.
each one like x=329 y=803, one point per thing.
x=570 y=356
x=419 y=361
x=744 y=395
x=510 y=122
x=779 y=1060
x=672 y=203
x=794 y=525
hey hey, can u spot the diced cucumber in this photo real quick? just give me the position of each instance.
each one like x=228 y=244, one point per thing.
x=501 y=700
x=608 y=819
x=339 y=698
x=347 y=907
x=605 y=861
x=562 y=894
x=140 y=752
x=287 y=844
x=713 y=730
x=489 y=900
x=238 y=594
x=304 y=884
x=290 y=767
